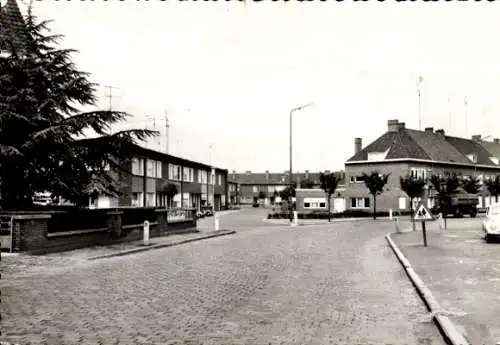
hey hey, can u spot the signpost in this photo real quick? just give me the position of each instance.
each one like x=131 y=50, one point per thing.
x=423 y=214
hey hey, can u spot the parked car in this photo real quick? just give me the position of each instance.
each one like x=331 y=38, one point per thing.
x=491 y=225
x=207 y=211
x=200 y=214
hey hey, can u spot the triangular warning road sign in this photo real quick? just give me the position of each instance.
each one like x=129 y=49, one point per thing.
x=422 y=213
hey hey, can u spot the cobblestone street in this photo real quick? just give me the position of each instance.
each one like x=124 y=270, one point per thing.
x=327 y=284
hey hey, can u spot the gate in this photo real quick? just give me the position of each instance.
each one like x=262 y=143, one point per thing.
x=6 y=227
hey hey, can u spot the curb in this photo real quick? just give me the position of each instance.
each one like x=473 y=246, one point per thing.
x=165 y=245
x=448 y=330
x=334 y=220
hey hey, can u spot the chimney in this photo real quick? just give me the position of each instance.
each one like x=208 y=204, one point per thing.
x=440 y=131
x=496 y=141
x=393 y=125
x=267 y=175
x=248 y=172
x=476 y=137
x=307 y=173
x=327 y=171
x=357 y=145
x=401 y=125
x=429 y=129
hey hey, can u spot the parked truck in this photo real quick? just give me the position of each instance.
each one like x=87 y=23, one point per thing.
x=457 y=204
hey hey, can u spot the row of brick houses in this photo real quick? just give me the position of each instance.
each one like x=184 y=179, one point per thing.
x=245 y=188
x=401 y=151
x=197 y=184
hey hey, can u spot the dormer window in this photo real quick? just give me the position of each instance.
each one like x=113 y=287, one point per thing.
x=472 y=157
x=494 y=160
x=377 y=156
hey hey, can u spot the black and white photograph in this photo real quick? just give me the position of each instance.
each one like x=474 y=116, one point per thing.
x=249 y=172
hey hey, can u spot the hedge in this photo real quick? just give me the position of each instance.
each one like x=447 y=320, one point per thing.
x=345 y=214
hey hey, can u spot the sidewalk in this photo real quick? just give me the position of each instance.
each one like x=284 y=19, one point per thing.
x=462 y=272
x=21 y=263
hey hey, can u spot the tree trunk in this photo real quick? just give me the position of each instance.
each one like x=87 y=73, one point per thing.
x=329 y=211
x=374 y=207
x=412 y=216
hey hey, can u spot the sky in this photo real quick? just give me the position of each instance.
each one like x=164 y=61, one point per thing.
x=228 y=73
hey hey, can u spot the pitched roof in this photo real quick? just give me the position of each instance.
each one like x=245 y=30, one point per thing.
x=492 y=148
x=12 y=27
x=472 y=147
x=408 y=143
x=271 y=178
x=398 y=144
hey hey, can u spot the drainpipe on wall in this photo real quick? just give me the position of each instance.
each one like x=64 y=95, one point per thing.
x=145 y=182
x=182 y=186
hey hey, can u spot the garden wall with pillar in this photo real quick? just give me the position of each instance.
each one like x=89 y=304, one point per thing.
x=52 y=231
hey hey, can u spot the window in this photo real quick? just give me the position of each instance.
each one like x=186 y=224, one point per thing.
x=480 y=202
x=138 y=166
x=150 y=199
x=271 y=189
x=191 y=175
x=280 y=188
x=314 y=202
x=418 y=173
x=360 y=202
x=219 y=182
x=159 y=169
x=255 y=189
x=199 y=175
x=185 y=174
x=150 y=168
x=137 y=199
x=174 y=172
x=356 y=179
x=204 y=176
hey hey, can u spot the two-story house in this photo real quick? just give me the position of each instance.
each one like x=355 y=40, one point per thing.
x=151 y=171
x=401 y=151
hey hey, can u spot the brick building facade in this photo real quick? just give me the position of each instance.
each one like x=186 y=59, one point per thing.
x=402 y=151
x=151 y=171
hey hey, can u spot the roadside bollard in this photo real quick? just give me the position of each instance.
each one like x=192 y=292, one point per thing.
x=396 y=224
x=216 y=221
x=441 y=222
x=145 y=235
x=390 y=213
x=295 y=221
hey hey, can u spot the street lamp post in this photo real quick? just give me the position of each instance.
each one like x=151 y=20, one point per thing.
x=291 y=173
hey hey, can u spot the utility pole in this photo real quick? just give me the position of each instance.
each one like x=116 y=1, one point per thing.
x=465 y=110
x=109 y=95
x=449 y=115
x=420 y=79
x=167 y=129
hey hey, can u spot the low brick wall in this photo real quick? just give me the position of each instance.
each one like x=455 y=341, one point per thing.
x=31 y=232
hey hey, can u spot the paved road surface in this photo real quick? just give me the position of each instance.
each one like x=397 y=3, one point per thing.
x=330 y=284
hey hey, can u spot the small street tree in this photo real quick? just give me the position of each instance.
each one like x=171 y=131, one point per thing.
x=170 y=191
x=41 y=126
x=375 y=182
x=414 y=188
x=471 y=185
x=329 y=183
x=287 y=193
x=493 y=186
x=262 y=195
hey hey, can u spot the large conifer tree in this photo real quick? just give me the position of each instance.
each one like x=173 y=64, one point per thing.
x=41 y=127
